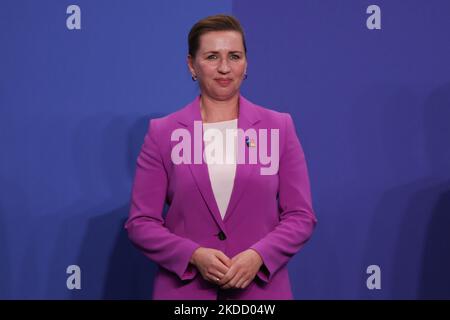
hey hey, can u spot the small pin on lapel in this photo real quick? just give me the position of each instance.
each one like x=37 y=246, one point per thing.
x=249 y=142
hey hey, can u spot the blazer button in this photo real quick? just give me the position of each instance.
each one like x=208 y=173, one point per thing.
x=221 y=235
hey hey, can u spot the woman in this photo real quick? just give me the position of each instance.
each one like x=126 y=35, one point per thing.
x=235 y=214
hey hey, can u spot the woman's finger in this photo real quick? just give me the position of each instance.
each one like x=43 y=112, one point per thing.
x=223 y=258
x=217 y=274
x=240 y=282
x=221 y=267
x=214 y=279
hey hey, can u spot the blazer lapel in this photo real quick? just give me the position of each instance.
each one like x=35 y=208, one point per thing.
x=192 y=118
x=247 y=118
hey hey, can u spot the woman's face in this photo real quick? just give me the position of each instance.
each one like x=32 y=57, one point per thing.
x=220 y=64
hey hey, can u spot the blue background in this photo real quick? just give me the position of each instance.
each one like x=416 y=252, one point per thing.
x=371 y=107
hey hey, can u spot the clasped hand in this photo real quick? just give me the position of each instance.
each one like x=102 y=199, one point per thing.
x=216 y=267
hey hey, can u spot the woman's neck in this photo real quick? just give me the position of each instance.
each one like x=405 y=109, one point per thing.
x=217 y=110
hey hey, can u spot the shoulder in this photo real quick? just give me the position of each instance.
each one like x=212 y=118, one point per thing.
x=169 y=122
x=269 y=116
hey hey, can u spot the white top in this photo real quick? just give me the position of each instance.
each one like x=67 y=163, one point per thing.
x=221 y=160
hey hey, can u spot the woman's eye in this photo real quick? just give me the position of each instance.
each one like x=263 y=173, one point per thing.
x=235 y=57
x=212 y=57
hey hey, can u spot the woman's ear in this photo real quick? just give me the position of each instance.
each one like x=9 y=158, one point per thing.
x=190 y=64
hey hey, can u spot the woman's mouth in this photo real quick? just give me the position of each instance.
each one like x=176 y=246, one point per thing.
x=223 y=82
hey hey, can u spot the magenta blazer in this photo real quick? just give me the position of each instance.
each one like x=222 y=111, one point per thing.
x=271 y=214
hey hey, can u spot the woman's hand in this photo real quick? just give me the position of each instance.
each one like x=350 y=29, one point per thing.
x=213 y=264
x=243 y=270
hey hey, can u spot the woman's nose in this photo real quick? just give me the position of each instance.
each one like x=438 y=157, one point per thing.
x=223 y=66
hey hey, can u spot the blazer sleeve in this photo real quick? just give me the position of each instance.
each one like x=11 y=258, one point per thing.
x=297 y=218
x=145 y=224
